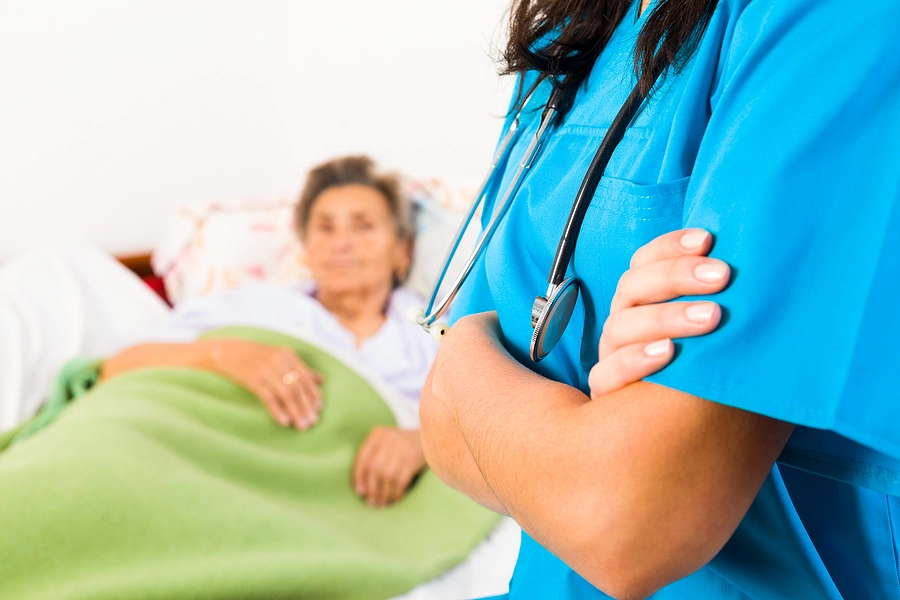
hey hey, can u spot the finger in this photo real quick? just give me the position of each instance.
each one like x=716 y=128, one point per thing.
x=276 y=374
x=671 y=278
x=286 y=371
x=394 y=479
x=683 y=242
x=384 y=489
x=629 y=364
x=393 y=490
x=310 y=395
x=301 y=403
x=283 y=397
x=365 y=460
x=656 y=321
x=362 y=464
x=375 y=479
x=274 y=407
x=401 y=475
x=373 y=487
x=297 y=391
x=305 y=387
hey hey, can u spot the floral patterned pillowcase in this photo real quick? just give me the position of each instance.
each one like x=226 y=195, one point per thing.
x=217 y=246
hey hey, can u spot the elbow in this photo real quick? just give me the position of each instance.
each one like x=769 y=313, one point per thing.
x=626 y=587
x=624 y=557
x=628 y=576
x=621 y=575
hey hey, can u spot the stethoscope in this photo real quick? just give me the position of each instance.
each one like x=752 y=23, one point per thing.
x=550 y=313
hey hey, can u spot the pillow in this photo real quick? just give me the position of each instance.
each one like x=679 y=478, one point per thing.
x=218 y=246
x=213 y=247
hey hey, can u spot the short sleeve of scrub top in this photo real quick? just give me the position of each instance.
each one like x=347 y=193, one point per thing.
x=798 y=178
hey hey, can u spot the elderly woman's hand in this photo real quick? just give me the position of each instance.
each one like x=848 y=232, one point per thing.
x=288 y=388
x=387 y=462
x=637 y=336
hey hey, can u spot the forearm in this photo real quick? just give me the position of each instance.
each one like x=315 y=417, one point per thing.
x=633 y=490
x=448 y=455
x=486 y=420
x=197 y=354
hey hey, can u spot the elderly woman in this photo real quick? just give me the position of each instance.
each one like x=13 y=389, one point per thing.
x=357 y=231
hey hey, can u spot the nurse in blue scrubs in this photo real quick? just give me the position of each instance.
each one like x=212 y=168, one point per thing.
x=764 y=461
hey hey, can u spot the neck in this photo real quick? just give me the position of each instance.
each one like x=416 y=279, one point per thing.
x=644 y=5
x=360 y=311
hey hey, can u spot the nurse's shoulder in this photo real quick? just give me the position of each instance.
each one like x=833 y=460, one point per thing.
x=763 y=20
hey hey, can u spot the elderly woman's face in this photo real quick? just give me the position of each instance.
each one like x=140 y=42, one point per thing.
x=351 y=240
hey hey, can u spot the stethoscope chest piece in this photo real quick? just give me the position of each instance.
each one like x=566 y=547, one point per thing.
x=550 y=316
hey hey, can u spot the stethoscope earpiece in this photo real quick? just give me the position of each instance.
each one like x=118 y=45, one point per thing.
x=439 y=330
x=416 y=316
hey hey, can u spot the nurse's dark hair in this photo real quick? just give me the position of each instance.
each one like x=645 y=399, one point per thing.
x=359 y=170
x=561 y=39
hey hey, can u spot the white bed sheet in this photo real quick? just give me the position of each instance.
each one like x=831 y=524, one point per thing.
x=485 y=572
x=57 y=303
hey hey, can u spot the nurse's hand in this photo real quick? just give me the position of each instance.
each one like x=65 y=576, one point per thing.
x=637 y=336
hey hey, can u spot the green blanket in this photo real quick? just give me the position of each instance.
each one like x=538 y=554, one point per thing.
x=176 y=483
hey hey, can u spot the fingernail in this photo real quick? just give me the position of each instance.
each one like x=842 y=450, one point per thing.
x=283 y=419
x=654 y=349
x=699 y=313
x=694 y=239
x=710 y=271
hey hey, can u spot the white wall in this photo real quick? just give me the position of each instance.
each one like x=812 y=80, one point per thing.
x=113 y=113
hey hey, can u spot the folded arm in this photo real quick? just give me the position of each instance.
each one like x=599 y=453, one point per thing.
x=635 y=488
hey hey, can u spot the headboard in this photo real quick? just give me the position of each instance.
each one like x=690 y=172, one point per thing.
x=139 y=264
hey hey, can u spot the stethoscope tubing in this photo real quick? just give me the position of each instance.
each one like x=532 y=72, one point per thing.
x=565 y=250
x=568 y=240
x=434 y=313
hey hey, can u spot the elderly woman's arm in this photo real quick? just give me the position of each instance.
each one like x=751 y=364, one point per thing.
x=287 y=387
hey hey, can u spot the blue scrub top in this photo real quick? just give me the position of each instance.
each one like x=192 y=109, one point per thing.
x=782 y=137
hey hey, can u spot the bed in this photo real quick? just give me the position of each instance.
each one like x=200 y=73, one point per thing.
x=85 y=302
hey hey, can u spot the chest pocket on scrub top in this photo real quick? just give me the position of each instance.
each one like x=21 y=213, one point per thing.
x=622 y=217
